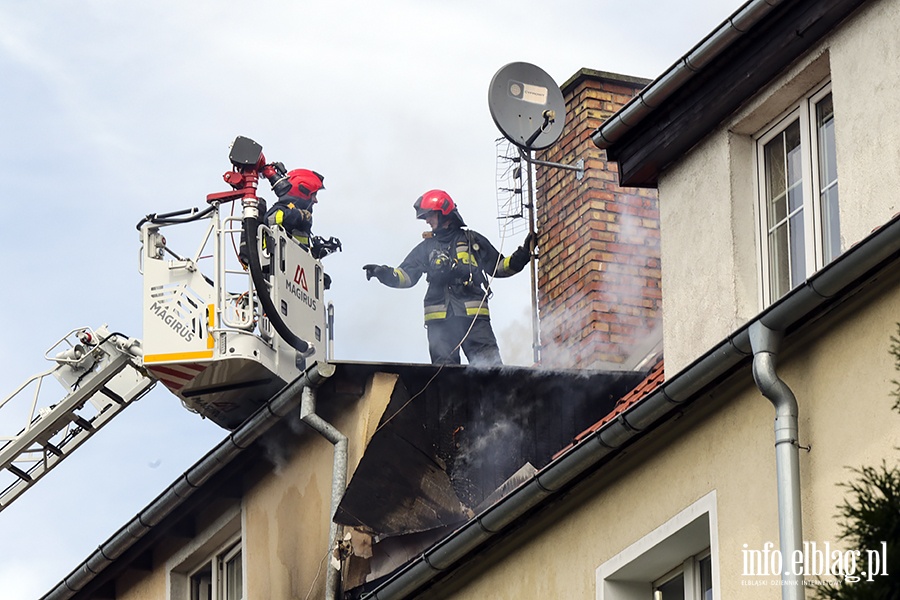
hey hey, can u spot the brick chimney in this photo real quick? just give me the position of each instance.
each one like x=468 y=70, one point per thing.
x=599 y=291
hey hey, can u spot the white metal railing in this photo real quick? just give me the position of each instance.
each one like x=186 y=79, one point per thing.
x=101 y=378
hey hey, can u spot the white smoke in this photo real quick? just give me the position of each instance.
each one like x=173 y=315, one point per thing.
x=628 y=334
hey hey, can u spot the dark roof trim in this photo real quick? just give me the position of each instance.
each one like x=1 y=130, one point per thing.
x=848 y=274
x=661 y=88
x=711 y=81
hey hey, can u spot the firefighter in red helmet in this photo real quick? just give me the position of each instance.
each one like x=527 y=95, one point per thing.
x=296 y=197
x=458 y=264
x=296 y=191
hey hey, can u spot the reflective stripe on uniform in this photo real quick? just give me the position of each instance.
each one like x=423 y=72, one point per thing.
x=435 y=312
x=474 y=308
x=466 y=258
x=478 y=311
x=403 y=280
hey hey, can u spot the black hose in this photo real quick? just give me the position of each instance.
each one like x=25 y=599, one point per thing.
x=167 y=218
x=251 y=226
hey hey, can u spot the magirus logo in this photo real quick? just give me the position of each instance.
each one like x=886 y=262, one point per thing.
x=299 y=288
x=178 y=307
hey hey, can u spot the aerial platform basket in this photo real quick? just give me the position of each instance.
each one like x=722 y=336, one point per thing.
x=205 y=335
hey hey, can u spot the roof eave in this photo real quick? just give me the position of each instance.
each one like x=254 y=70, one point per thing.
x=710 y=82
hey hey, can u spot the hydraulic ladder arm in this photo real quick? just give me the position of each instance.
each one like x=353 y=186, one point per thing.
x=102 y=374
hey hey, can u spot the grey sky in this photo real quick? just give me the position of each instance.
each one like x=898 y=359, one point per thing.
x=113 y=110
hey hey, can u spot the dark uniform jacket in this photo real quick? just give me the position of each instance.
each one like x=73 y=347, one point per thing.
x=295 y=220
x=457 y=264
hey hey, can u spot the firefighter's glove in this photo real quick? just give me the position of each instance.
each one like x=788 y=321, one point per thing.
x=522 y=255
x=383 y=273
x=320 y=247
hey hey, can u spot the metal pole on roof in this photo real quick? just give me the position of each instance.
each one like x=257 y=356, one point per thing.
x=528 y=159
x=532 y=262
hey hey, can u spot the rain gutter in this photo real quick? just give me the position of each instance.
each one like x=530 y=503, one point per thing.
x=661 y=88
x=851 y=271
x=193 y=479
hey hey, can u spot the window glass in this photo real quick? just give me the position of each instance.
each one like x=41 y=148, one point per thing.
x=794 y=166
x=784 y=200
x=799 y=195
x=706 y=578
x=828 y=190
x=673 y=589
x=798 y=249
x=201 y=584
x=674 y=560
x=233 y=578
x=778 y=260
x=776 y=190
x=220 y=577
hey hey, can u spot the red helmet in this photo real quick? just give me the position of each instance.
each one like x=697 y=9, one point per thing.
x=304 y=183
x=437 y=200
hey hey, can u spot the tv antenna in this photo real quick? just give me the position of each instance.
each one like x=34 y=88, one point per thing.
x=512 y=189
x=529 y=110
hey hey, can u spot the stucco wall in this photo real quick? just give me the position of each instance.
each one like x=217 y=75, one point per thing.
x=868 y=136
x=697 y=253
x=283 y=517
x=710 y=247
x=137 y=585
x=841 y=375
x=287 y=513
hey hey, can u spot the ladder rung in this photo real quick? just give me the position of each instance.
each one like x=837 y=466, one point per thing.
x=19 y=473
x=83 y=423
x=52 y=448
x=114 y=396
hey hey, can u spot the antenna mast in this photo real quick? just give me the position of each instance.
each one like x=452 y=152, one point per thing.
x=529 y=110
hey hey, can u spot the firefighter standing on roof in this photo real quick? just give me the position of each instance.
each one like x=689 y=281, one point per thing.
x=458 y=264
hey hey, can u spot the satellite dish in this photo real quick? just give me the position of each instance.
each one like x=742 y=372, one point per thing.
x=527 y=106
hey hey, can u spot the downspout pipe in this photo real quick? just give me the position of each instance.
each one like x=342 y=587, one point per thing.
x=338 y=482
x=764 y=343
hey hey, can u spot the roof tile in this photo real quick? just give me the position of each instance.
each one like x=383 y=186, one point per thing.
x=654 y=379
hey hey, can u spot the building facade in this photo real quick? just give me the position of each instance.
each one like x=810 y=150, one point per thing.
x=773 y=148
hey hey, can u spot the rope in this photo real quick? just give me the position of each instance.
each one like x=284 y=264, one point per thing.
x=490 y=280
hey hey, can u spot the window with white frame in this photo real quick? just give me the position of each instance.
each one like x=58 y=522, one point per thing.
x=220 y=577
x=210 y=566
x=798 y=190
x=690 y=580
x=676 y=561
